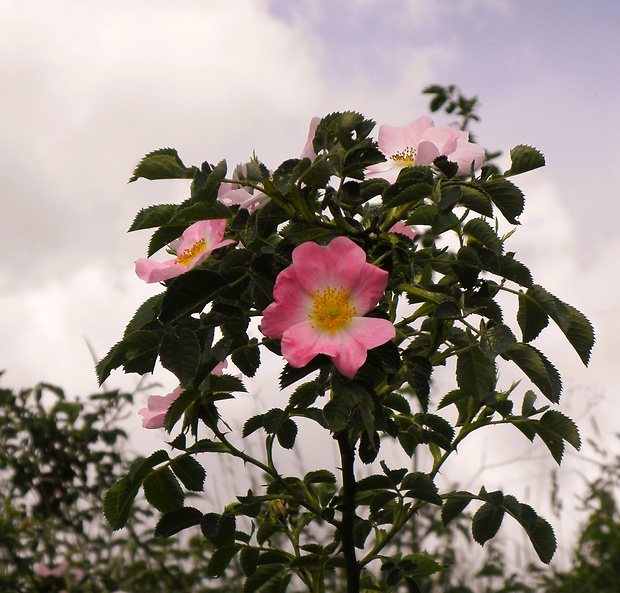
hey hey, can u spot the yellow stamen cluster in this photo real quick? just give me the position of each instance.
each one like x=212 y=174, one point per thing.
x=332 y=310
x=185 y=258
x=405 y=157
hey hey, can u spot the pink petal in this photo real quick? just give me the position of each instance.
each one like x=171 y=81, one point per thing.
x=402 y=229
x=396 y=139
x=157 y=407
x=153 y=271
x=427 y=153
x=234 y=197
x=292 y=305
x=388 y=171
x=337 y=265
x=465 y=154
x=369 y=288
x=302 y=342
x=363 y=333
x=219 y=368
x=308 y=151
x=444 y=138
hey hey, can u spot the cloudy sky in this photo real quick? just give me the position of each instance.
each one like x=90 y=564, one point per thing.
x=88 y=87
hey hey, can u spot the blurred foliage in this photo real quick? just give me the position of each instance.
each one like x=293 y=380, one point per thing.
x=58 y=456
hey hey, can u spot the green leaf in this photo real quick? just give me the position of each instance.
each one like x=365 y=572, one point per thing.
x=286 y=434
x=575 y=326
x=401 y=194
x=162 y=164
x=475 y=373
x=496 y=339
x=220 y=559
x=118 y=501
x=524 y=158
x=580 y=334
x=190 y=293
x=136 y=353
x=418 y=373
x=486 y=522
x=531 y=317
x=304 y=395
x=153 y=216
x=511 y=269
x=180 y=353
x=177 y=521
x=320 y=476
x=374 y=482
x=454 y=504
x=543 y=540
x=270 y=578
x=475 y=199
x=163 y=490
x=225 y=383
x=163 y=236
x=187 y=215
x=190 y=472
x=538 y=369
x=247 y=358
x=207 y=181
x=345 y=396
x=420 y=486
x=142 y=467
x=480 y=231
x=508 y=198
x=147 y=312
x=563 y=426
x=288 y=173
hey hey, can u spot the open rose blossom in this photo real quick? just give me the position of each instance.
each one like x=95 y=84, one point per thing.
x=195 y=245
x=420 y=143
x=319 y=305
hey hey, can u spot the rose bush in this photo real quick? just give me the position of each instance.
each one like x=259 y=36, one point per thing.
x=368 y=265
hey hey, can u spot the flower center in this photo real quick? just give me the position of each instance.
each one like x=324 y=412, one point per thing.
x=332 y=310
x=185 y=258
x=405 y=157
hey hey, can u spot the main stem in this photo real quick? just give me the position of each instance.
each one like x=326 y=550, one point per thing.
x=347 y=457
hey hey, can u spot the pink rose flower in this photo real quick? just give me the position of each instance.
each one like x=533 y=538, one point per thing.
x=157 y=406
x=420 y=143
x=319 y=305
x=44 y=571
x=195 y=245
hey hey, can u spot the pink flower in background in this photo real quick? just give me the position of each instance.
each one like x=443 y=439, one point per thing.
x=157 y=406
x=195 y=245
x=62 y=568
x=44 y=571
x=420 y=143
x=319 y=305
x=308 y=152
x=402 y=229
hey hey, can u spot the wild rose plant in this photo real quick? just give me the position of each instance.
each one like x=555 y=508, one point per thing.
x=365 y=265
